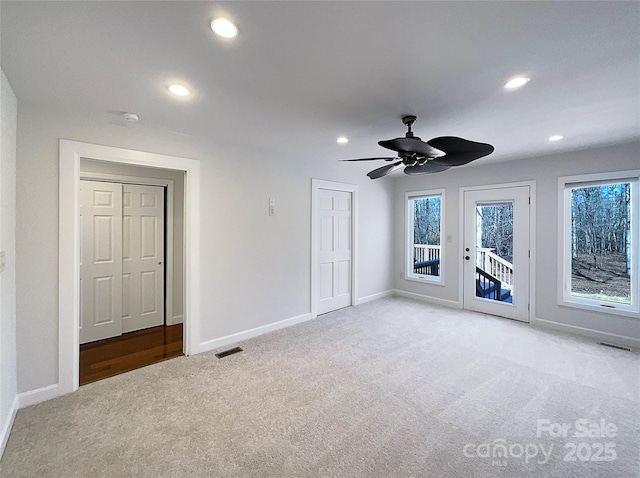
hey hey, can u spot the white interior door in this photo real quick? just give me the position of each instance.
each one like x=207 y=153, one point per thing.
x=334 y=250
x=100 y=260
x=143 y=257
x=496 y=251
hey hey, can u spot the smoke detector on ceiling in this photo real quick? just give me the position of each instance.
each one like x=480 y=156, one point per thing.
x=130 y=117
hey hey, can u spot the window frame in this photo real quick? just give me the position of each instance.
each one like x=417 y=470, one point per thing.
x=409 y=224
x=565 y=185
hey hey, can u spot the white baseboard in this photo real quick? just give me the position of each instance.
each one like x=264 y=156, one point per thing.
x=427 y=298
x=176 y=319
x=38 y=395
x=369 y=298
x=249 y=334
x=598 y=335
x=6 y=426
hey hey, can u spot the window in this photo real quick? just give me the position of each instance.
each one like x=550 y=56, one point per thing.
x=424 y=228
x=599 y=249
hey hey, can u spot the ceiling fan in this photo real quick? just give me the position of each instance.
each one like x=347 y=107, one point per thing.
x=433 y=156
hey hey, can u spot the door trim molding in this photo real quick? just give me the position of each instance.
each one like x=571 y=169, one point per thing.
x=317 y=184
x=532 y=239
x=69 y=247
x=169 y=184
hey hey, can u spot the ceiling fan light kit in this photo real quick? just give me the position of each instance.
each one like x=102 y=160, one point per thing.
x=433 y=156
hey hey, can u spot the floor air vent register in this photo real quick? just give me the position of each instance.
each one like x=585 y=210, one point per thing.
x=226 y=353
x=613 y=346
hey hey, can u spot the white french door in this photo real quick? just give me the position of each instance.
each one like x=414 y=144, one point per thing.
x=496 y=251
x=122 y=258
x=334 y=240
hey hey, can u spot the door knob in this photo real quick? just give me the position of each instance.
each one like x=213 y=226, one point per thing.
x=467 y=249
x=466 y=258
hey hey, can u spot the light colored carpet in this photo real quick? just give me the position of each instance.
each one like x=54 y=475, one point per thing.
x=392 y=388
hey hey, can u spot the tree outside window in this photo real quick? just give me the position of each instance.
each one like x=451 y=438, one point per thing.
x=598 y=220
x=424 y=219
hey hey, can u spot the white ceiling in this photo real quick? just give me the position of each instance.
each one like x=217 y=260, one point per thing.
x=300 y=74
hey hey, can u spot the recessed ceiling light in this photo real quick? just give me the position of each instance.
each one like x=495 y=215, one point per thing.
x=224 y=28
x=556 y=137
x=179 y=90
x=343 y=140
x=516 y=82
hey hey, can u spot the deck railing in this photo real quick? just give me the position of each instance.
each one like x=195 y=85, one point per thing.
x=425 y=252
x=487 y=260
x=429 y=268
x=495 y=265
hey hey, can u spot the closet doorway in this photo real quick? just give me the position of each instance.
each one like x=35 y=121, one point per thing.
x=129 y=264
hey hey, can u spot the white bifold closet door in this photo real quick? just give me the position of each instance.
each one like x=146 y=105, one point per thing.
x=122 y=259
x=142 y=257
x=100 y=260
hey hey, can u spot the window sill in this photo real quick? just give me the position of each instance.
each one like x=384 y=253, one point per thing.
x=599 y=309
x=425 y=280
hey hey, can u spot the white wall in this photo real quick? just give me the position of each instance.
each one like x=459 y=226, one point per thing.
x=8 y=119
x=103 y=167
x=545 y=171
x=255 y=269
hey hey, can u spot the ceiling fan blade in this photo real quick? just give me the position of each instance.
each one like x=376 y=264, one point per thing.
x=460 y=151
x=370 y=159
x=411 y=145
x=428 y=167
x=384 y=170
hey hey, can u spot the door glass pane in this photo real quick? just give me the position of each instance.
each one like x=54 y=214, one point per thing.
x=601 y=242
x=494 y=251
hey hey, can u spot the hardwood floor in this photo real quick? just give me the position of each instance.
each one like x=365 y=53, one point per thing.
x=109 y=357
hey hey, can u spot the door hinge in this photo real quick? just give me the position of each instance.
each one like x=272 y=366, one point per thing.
x=529 y=307
x=529 y=199
x=529 y=253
